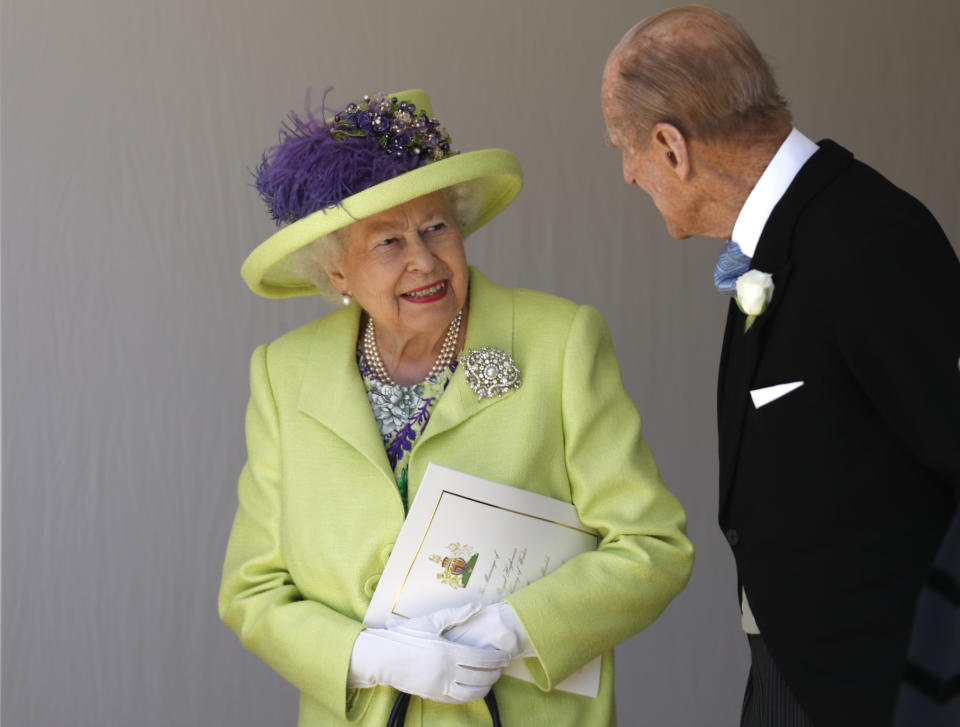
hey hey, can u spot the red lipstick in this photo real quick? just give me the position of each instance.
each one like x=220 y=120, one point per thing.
x=411 y=297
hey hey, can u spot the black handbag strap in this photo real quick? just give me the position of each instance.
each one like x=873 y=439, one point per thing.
x=494 y=710
x=398 y=714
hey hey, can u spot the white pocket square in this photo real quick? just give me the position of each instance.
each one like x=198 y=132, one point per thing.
x=767 y=394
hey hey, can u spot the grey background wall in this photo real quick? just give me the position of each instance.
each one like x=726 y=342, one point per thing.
x=128 y=128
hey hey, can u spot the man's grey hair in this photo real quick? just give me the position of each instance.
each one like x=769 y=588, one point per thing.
x=695 y=68
x=315 y=260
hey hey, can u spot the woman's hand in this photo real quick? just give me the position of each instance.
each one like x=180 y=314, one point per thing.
x=423 y=665
x=490 y=627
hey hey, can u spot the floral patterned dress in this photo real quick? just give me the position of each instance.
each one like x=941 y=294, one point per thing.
x=402 y=414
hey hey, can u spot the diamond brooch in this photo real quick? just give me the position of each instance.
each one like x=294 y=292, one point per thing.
x=490 y=372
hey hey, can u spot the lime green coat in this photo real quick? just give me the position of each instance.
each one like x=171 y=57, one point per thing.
x=319 y=509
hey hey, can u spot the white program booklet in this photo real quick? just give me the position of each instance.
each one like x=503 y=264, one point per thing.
x=469 y=539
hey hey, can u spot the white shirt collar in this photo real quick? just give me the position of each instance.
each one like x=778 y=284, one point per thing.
x=793 y=153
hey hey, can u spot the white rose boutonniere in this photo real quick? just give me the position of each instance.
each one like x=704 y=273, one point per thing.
x=754 y=291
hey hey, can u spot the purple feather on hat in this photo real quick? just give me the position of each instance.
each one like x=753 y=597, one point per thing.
x=310 y=169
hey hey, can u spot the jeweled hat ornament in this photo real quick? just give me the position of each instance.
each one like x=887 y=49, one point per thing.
x=374 y=154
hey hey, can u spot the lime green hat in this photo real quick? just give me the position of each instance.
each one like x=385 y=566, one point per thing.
x=373 y=155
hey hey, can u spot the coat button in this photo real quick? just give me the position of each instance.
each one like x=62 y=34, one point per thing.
x=370 y=585
x=733 y=537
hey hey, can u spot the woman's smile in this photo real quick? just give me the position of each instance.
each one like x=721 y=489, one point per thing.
x=428 y=293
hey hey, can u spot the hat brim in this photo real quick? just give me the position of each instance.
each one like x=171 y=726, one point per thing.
x=493 y=178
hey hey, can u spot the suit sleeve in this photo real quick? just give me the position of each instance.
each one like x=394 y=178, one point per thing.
x=307 y=642
x=899 y=331
x=599 y=599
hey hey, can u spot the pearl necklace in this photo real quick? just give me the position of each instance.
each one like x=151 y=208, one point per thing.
x=447 y=350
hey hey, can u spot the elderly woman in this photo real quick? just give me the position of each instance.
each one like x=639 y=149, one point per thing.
x=346 y=412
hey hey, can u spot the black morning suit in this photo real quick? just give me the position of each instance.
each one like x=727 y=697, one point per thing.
x=834 y=498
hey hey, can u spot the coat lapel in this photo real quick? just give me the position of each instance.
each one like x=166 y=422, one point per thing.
x=490 y=323
x=741 y=350
x=332 y=391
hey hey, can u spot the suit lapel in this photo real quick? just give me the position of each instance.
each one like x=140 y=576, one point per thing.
x=741 y=350
x=332 y=391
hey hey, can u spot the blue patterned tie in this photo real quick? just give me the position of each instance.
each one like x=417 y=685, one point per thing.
x=731 y=264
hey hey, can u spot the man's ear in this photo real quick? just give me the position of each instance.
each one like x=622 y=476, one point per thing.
x=671 y=146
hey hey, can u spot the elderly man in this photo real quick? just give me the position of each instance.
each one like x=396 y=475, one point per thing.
x=839 y=390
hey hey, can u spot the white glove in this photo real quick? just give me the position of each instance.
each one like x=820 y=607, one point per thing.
x=428 y=667
x=490 y=627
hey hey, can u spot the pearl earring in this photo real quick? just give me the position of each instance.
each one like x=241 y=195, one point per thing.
x=346 y=300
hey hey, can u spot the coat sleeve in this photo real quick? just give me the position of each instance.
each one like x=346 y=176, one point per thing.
x=599 y=599
x=898 y=320
x=307 y=642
